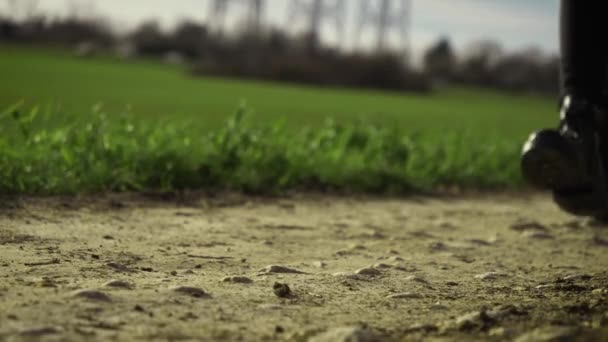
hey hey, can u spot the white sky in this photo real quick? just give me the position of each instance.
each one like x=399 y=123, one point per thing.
x=516 y=24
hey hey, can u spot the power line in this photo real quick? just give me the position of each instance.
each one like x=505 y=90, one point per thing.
x=388 y=18
x=220 y=8
x=315 y=13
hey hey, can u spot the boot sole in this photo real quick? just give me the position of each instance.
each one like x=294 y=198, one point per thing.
x=584 y=203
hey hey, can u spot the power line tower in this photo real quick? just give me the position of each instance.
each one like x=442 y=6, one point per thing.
x=254 y=13
x=314 y=13
x=388 y=18
x=23 y=9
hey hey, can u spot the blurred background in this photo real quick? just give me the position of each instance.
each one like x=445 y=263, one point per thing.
x=397 y=45
x=485 y=68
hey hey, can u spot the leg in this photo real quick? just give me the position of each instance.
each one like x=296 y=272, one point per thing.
x=568 y=160
x=583 y=49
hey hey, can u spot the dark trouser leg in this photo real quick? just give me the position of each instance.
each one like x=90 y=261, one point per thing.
x=584 y=47
x=570 y=160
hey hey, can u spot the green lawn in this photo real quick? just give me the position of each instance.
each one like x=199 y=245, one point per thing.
x=153 y=90
x=180 y=132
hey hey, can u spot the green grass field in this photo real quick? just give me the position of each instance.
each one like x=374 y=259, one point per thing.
x=153 y=90
x=103 y=124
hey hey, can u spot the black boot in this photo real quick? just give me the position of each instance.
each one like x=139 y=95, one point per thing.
x=570 y=160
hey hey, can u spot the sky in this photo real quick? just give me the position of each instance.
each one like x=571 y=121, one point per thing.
x=516 y=24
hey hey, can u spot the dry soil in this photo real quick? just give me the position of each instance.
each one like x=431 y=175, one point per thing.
x=307 y=267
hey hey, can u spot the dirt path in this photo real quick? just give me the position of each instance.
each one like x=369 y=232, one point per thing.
x=128 y=268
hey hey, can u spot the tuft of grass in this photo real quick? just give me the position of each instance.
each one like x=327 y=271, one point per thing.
x=93 y=153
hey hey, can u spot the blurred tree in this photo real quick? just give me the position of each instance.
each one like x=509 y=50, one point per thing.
x=73 y=30
x=9 y=30
x=478 y=62
x=440 y=60
x=528 y=70
x=150 y=40
x=278 y=42
x=189 y=38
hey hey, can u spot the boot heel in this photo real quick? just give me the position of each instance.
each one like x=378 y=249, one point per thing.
x=549 y=162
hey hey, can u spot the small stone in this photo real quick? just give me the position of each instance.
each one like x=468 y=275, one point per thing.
x=173 y=273
x=417 y=279
x=347 y=334
x=405 y=269
x=439 y=307
x=47 y=282
x=540 y=235
x=356 y=247
x=550 y=333
x=464 y=258
x=382 y=266
x=574 y=277
x=528 y=225
x=281 y=290
x=480 y=242
x=491 y=276
x=369 y=271
x=269 y=307
x=280 y=269
x=545 y=286
x=405 y=295
x=108 y=237
x=191 y=291
x=319 y=264
x=237 y=280
x=395 y=259
x=422 y=234
x=119 y=284
x=438 y=246
x=92 y=295
x=494 y=239
x=470 y=320
x=40 y=331
x=497 y=332
x=87 y=331
x=445 y=225
x=485 y=318
x=421 y=327
x=392 y=251
x=119 y=267
x=373 y=234
x=267 y=243
x=346 y=275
